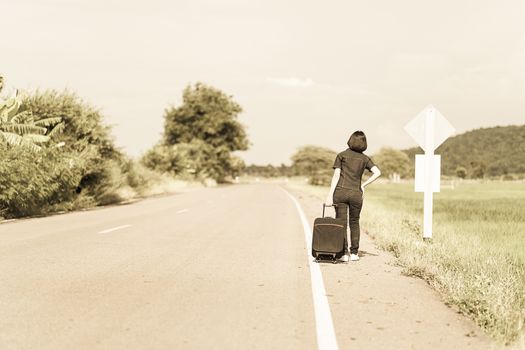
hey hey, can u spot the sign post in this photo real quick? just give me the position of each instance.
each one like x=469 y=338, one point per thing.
x=429 y=129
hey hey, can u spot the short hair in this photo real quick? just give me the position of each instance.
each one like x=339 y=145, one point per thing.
x=357 y=141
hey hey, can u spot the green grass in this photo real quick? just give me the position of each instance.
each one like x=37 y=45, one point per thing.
x=476 y=259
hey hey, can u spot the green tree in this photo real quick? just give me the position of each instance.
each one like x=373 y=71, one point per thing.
x=392 y=161
x=315 y=162
x=205 y=126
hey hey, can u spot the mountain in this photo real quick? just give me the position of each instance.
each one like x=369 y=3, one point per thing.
x=482 y=152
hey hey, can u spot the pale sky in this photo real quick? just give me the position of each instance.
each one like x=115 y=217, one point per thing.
x=305 y=72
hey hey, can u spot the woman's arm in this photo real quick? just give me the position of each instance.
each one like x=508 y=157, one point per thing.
x=375 y=174
x=335 y=180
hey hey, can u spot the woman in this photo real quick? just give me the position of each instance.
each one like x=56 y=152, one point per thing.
x=347 y=191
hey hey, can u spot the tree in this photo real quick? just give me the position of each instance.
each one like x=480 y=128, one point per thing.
x=237 y=166
x=58 y=155
x=392 y=161
x=478 y=170
x=164 y=159
x=19 y=128
x=206 y=125
x=461 y=172
x=84 y=126
x=34 y=182
x=315 y=162
x=502 y=148
x=86 y=141
x=194 y=158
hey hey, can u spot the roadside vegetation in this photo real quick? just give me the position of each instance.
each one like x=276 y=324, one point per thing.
x=59 y=155
x=201 y=137
x=313 y=162
x=496 y=152
x=475 y=260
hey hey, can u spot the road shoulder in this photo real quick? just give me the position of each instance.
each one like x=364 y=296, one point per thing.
x=375 y=307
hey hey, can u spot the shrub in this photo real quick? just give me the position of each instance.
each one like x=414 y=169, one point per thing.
x=321 y=178
x=392 y=161
x=461 y=172
x=84 y=136
x=31 y=183
x=316 y=163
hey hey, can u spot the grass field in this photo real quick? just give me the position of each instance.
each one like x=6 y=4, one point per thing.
x=476 y=259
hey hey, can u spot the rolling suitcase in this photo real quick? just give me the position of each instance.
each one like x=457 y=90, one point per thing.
x=328 y=238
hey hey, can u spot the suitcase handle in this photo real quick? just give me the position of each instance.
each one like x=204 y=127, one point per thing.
x=324 y=206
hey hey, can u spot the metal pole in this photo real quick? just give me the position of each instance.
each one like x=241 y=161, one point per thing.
x=429 y=155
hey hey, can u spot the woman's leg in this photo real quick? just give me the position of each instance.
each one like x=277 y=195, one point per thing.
x=341 y=211
x=355 y=205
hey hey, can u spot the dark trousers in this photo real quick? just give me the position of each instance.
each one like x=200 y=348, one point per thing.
x=349 y=204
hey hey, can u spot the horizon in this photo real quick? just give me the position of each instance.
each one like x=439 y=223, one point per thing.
x=303 y=73
x=401 y=149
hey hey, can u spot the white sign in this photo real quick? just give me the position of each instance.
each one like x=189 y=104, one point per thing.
x=420 y=184
x=439 y=129
x=429 y=129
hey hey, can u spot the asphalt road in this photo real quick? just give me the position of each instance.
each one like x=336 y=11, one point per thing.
x=223 y=268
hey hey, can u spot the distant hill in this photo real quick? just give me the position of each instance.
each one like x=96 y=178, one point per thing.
x=482 y=152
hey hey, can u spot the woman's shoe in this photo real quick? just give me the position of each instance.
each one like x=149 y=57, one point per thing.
x=344 y=258
x=354 y=257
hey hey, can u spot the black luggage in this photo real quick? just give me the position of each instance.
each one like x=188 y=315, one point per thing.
x=328 y=238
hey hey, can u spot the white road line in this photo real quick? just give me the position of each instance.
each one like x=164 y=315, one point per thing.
x=326 y=338
x=182 y=211
x=115 y=229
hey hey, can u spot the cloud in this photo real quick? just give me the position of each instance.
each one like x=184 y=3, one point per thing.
x=293 y=82
x=308 y=83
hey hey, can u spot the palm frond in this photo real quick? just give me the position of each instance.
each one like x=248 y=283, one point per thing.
x=24 y=117
x=48 y=121
x=35 y=138
x=17 y=140
x=4 y=112
x=12 y=138
x=56 y=130
x=9 y=107
x=30 y=144
x=23 y=129
x=12 y=107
